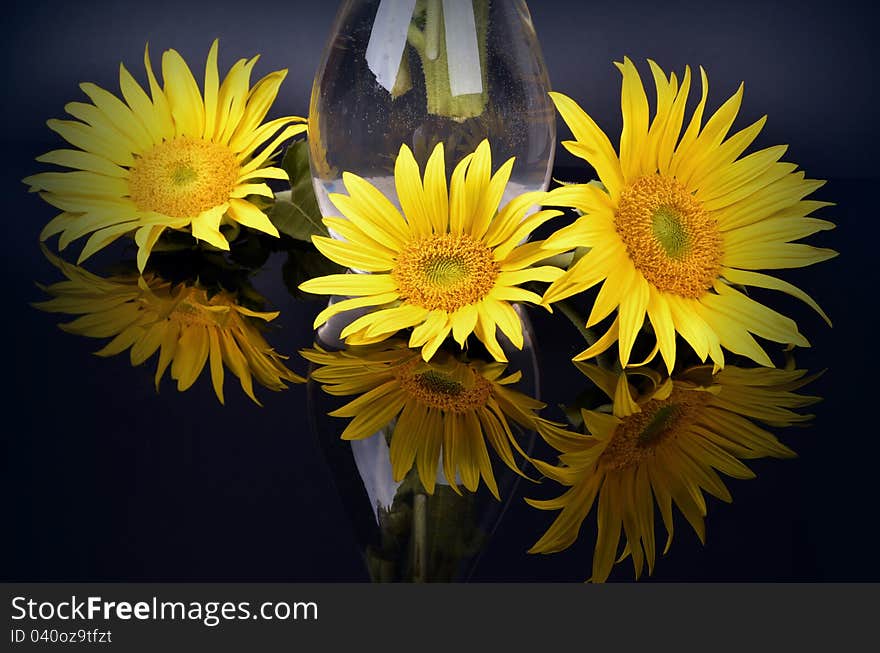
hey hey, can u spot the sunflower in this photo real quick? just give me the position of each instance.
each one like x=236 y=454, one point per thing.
x=451 y=263
x=443 y=409
x=172 y=160
x=680 y=221
x=667 y=442
x=186 y=326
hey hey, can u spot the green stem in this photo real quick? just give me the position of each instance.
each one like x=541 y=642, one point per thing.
x=430 y=44
x=605 y=359
x=432 y=29
x=577 y=320
x=562 y=261
x=420 y=538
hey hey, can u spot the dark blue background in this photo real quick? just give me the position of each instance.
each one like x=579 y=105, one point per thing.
x=105 y=480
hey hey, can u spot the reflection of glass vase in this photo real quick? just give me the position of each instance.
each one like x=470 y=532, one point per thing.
x=419 y=72
x=405 y=534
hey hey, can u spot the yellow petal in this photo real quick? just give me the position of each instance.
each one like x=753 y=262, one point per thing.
x=260 y=100
x=249 y=215
x=765 y=281
x=372 y=209
x=350 y=284
x=162 y=110
x=411 y=194
x=594 y=145
x=119 y=115
x=140 y=103
x=206 y=227
x=353 y=255
x=189 y=360
x=146 y=238
x=184 y=98
x=436 y=193
x=350 y=304
x=634 y=107
x=83 y=161
x=664 y=327
x=216 y=363
x=632 y=316
x=459 y=207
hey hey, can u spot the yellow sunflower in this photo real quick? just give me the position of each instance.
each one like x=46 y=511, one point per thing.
x=450 y=263
x=667 y=442
x=188 y=328
x=444 y=409
x=175 y=159
x=679 y=221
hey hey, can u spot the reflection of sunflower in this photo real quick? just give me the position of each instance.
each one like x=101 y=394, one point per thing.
x=666 y=443
x=174 y=160
x=680 y=222
x=451 y=263
x=318 y=147
x=186 y=326
x=444 y=409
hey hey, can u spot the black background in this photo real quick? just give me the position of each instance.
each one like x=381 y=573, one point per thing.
x=105 y=480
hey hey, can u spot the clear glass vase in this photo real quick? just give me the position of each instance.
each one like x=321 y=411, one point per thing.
x=420 y=72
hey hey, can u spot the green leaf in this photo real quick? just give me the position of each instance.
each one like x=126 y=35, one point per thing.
x=295 y=220
x=296 y=212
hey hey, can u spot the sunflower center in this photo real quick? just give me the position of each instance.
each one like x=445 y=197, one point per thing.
x=670 y=232
x=438 y=383
x=639 y=435
x=670 y=238
x=445 y=272
x=458 y=391
x=183 y=177
x=193 y=308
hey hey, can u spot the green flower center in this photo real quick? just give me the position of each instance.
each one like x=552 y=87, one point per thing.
x=639 y=435
x=443 y=271
x=183 y=175
x=670 y=232
x=659 y=423
x=440 y=383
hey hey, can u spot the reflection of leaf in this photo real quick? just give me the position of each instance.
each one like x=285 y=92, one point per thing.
x=296 y=212
x=251 y=252
x=591 y=397
x=304 y=262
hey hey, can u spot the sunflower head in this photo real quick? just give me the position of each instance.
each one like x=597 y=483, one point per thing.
x=664 y=440
x=681 y=221
x=444 y=414
x=179 y=157
x=182 y=322
x=449 y=262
